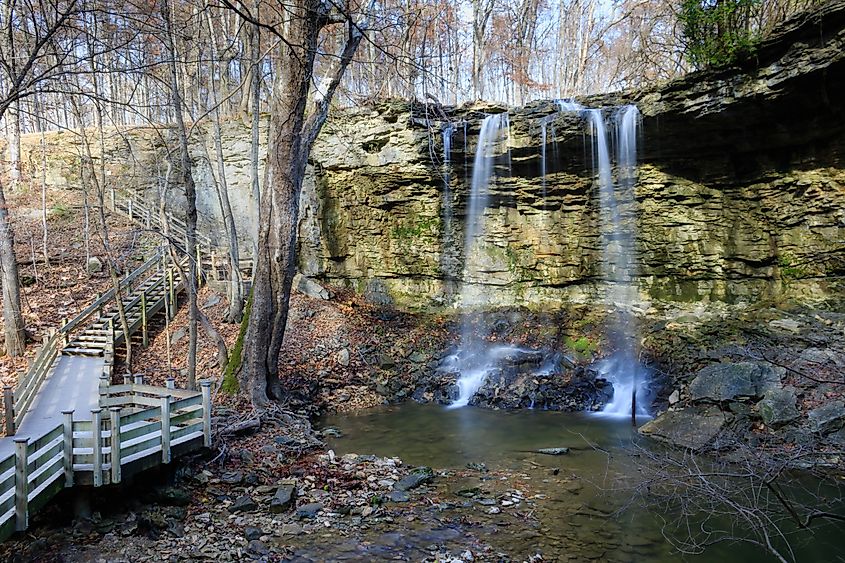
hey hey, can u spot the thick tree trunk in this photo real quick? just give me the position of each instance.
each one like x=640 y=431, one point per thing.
x=291 y=138
x=275 y=267
x=15 y=334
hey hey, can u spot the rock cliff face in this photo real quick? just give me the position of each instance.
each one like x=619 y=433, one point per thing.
x=740 y=193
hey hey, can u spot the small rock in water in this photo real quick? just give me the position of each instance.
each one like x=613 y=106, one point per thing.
x=291 y=529
x=553 y=451
x=478 y=467
x=469 y=493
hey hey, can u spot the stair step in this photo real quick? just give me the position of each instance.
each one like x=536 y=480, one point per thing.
x=81 y=352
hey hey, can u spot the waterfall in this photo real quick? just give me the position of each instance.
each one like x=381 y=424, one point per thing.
x=448 y=213
x=447 y=256
x=543 y=126
x=622 y=369
x=474 y=358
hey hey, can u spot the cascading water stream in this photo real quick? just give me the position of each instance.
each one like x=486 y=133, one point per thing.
x=474 y=358
x=622 y=369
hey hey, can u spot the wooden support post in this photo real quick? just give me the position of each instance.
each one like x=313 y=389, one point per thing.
x=65 y=334
x=172 y=292
x=97 y=441
x=67 y=441
x=165 y=429
x=214 y=275
x=139 y=379
x=206 y=412
x=144 y=335
x=114 y=414
x=171 y=382
x=111 y=329
x=130 y=208
x=127 y=379
x=104 y=384
x=21 y=485
x=9 y=409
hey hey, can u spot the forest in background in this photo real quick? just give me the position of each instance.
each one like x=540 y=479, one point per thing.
x=115 y=55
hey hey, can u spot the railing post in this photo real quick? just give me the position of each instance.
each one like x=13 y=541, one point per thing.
x=67 y=441
x=206 y=413
x=111 y=329
x=65 y=335
x=104 y=385
x=144 y=336
x=139 y=379
x=114 y=449
x=171 y=292
x=214 y=266
x=130 y=208
x=21 y=484
x=127 y=379
x=9 y=409
x=171 y=382
x=97 y=437
x=165 y=429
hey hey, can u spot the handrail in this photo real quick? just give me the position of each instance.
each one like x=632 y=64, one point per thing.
x=100 y=450
x=134 y=203
x=31 y=381
x=109 y=295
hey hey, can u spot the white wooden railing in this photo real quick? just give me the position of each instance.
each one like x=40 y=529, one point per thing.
x=137 y=427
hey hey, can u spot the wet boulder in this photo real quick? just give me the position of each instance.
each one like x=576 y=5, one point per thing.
x=729 y=381
x=685 y=428
x=827 y=418
x=778 y=407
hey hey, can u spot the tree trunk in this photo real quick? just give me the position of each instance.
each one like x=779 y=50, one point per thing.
x=236 y=295
x=191 y=201
x=14 y=114
x=291 y=138
x=15 y=334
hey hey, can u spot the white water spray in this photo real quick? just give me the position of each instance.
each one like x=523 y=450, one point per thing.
x=629 y=379
x=475 y=358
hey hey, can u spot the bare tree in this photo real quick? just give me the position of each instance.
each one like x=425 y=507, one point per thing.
x=293 y=129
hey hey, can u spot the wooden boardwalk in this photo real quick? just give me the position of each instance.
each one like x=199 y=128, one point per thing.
x=66 y=422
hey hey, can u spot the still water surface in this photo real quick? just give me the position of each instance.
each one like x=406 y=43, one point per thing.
x=578 y=509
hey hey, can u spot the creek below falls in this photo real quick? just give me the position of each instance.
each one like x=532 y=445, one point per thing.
x=576 y=507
